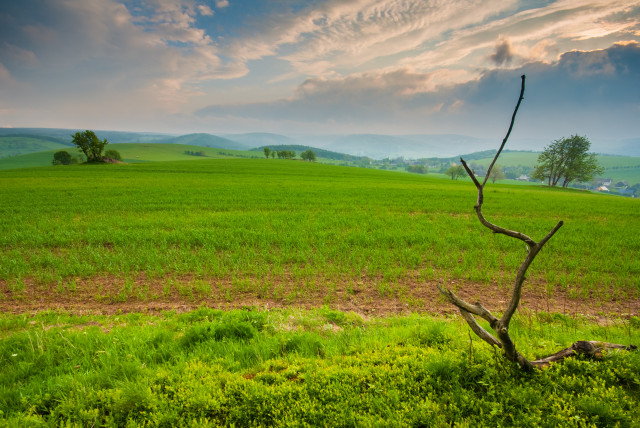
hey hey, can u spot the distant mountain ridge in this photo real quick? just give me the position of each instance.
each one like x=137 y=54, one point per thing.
x=375 y=146
x=205 y=140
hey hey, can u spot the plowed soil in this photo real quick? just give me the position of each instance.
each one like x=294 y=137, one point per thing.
x=110 y=295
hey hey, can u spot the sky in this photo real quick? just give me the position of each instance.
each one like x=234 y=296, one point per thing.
x=293 y=67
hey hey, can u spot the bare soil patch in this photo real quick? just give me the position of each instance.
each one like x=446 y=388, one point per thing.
x=367 y=296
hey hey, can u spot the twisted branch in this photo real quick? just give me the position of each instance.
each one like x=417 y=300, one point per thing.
x=501 y=326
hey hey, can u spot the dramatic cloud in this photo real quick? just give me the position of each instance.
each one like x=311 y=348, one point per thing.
x=406 y=101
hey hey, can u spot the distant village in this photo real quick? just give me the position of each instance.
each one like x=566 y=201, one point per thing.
x=516 y=173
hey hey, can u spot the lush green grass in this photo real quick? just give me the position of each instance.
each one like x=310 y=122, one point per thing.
x=261 y=219
x=293 y=368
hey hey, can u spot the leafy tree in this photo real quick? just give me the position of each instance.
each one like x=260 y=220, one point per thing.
x=417 y=169
x=267 y=151
x=455 y=171
x=308 y=155
x=566 y=160
x=496 y=174
x=62 y=158
x=90 y=145
x=113 y=154
x=286 y=154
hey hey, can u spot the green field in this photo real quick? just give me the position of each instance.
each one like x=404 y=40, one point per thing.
x=266 y=220
x=102 y=265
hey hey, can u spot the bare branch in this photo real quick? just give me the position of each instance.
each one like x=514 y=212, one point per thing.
x=478 y=330
x=476 y=309
x=471 y=174
x=589 y=348
x=497 y=229
x=504 y=141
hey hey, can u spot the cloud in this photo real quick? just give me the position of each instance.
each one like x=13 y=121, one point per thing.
x=156 y=51
x=5 y=76
x=222 y=3
x=352 y=33
x=17 y=55
x=564 y=95
x=503 y=54
x=205 y=10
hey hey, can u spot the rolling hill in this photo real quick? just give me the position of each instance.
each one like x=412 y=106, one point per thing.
x=205 y=140
x=15 y=145
x=133 y=153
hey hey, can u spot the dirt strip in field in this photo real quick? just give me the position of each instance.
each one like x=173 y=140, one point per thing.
x=368 y=296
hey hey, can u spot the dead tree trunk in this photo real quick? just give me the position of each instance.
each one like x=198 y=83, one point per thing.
x=500 y=326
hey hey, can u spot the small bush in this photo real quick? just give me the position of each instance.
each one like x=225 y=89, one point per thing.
x=113 y=154
x=62 y=158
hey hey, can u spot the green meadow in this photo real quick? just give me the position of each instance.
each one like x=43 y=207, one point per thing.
x=261 y=219
x=131 y=153
x=290 y=231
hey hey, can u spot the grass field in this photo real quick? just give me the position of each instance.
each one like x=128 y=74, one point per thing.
x=102 y=266
x=290 y=229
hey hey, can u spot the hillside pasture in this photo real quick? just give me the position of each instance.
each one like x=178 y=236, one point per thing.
x=131 y=153
x=20 y=145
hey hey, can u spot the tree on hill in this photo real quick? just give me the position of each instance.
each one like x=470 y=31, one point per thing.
x=417 y=169
x=566 y=160
x=496 y=174
x=308 y=155
x=90 y=145
x=62 y=157
x=455 y=171
x=286 y=154
x=267 y=151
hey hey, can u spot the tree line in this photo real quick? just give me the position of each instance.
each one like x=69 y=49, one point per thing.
x=308 y=155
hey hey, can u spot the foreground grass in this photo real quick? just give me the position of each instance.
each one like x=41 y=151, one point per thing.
x=316 y=368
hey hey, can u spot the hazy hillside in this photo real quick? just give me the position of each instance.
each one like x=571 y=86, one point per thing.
x=261 y=139
x=320 y=153
x=64 y=135
x=15 y=145
x=206 y=140
x=389 y=146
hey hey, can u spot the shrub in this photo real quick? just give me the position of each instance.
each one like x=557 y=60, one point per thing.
x=62 y=158
x=113 y=154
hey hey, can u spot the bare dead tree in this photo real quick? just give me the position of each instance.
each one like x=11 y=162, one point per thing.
x=500 y=326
